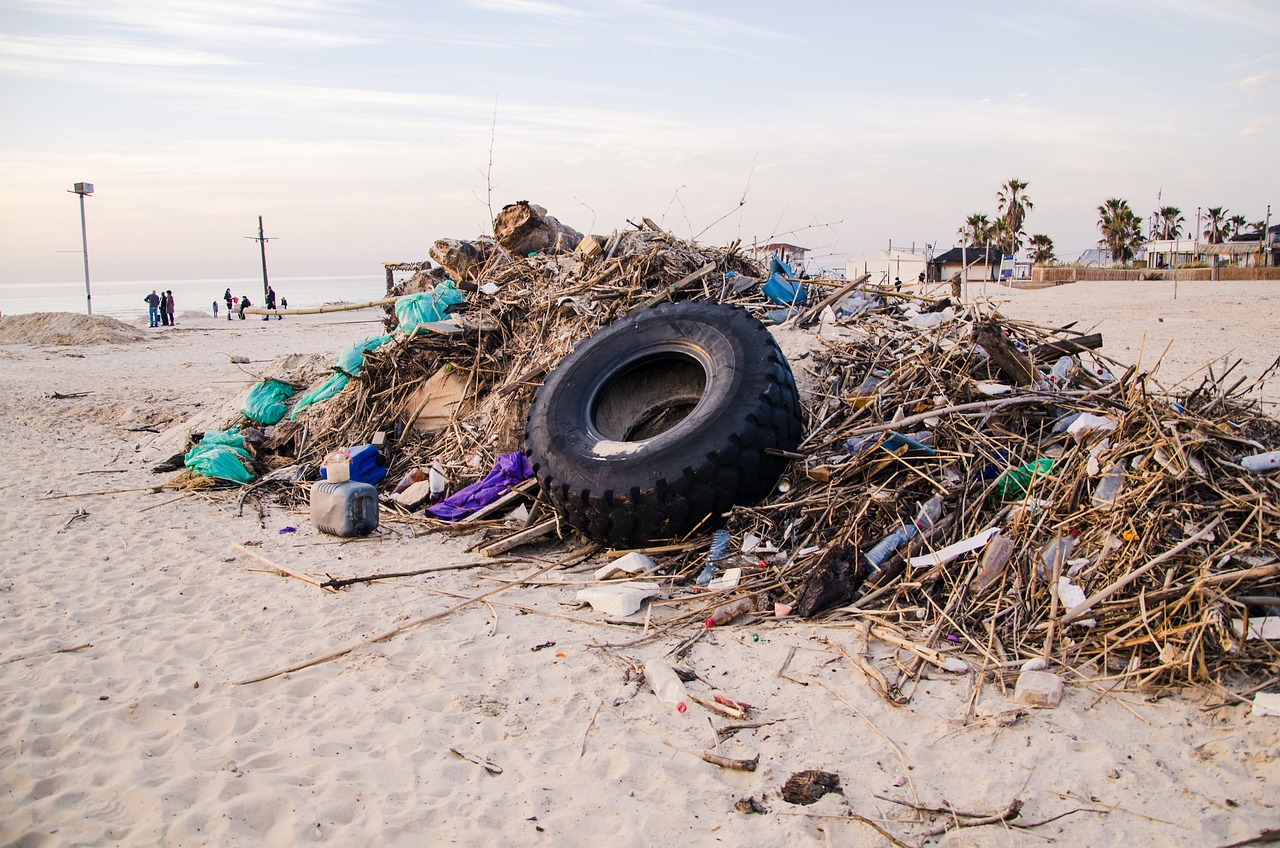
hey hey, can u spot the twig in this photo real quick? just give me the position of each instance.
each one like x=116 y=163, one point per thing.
x=395 y=631
x=729 y=763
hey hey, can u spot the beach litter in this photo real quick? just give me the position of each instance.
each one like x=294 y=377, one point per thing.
x=1018 y=488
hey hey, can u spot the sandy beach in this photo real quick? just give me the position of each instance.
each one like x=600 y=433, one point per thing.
x=130 y=619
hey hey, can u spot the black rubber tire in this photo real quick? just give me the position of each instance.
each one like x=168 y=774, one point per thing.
x=607 y=441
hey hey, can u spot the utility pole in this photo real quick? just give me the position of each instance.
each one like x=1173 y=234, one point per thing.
x=82 y=189
x=262 y=243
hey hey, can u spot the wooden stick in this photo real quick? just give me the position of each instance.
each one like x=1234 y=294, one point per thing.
x=305 y=578
x=338 y=583
x=515 y=540
x=319 y=310
x=727 y=762
x=1102 y=594
x=395 y=631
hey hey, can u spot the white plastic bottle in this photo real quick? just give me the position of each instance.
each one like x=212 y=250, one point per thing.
x=666 y=685
x=437 y=480
x=1261 y=463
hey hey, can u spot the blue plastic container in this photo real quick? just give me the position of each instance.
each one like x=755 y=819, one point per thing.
x=367 y=465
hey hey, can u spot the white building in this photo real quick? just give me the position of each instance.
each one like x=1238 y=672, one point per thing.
x=885 y=265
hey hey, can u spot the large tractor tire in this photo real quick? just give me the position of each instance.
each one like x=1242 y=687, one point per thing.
x=660 y=423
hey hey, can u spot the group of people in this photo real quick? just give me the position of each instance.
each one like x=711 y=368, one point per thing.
x=160 y=308
x=241 y=303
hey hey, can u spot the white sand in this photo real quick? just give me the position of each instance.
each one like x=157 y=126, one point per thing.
x=142 y=737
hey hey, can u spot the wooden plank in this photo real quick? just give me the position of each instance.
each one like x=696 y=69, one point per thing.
x=1065 y=347
x=515 y=540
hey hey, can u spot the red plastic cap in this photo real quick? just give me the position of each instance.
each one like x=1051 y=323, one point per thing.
x=682 y=707
x=710 y=622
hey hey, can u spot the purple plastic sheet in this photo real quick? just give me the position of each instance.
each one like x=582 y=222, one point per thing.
x=510 y=469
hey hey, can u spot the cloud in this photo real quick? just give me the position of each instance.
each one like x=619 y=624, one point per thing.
x=105 y=51
x=273 y=23
x=535 y=8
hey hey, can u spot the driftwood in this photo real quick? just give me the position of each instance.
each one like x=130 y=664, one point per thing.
x=807 y=787
x=523 y=228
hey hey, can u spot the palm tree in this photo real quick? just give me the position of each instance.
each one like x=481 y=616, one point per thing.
x=977 y=229
x=1258 y=227
x=1121 y=229
x=1012 y=206
x=1236 y=224
x=1170 y=222
x=1041 y=249
x=1215 y=230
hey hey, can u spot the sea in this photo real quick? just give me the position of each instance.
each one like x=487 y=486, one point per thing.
x=123 y=299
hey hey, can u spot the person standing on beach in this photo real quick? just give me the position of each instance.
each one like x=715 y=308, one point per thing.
x=229 y=299
x=284 y=304
x=215 y=309
x=153 y=307
x=271 y=302
x=897 y=284
x=169 y=296
x=164 y=309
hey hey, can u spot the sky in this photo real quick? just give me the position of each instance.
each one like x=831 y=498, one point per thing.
x=363 y=130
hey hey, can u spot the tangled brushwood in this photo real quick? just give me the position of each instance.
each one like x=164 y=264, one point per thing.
x=975 y=490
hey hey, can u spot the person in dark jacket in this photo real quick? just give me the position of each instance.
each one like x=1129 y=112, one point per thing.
x=229 y=299
x=244 y=304
x=271 y=302
x=153 y=308
x=169 y=298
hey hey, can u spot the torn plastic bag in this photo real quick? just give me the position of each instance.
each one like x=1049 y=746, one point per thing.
x=510 y=469
x=266 y=402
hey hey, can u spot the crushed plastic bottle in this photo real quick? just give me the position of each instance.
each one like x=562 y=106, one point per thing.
x=1060 y=371
x=1104 y=494
x=880 y=552
x=719 y=548
x=666 y=685
x=1058 y=551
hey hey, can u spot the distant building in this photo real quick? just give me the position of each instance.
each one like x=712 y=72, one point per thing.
x=1242 y=251
x=885 y=265
x=983 y=262
x=792 y=254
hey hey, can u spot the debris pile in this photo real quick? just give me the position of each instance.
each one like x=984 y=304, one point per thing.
x=975 y=491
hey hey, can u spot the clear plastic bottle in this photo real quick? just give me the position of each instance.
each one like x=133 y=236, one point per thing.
x=728 y=612
x=719 y=547
x=1058 y=551
x=666 y=685
x=928 y=515
x=1104 y=494
x=1060 y=371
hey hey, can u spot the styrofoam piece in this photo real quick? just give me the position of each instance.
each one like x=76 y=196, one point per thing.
x=621 y=599
x=627 y=565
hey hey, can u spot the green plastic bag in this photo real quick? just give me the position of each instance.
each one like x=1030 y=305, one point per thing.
x=324 y=391
x=266 y=402
x=1015 y=482
x=223 y=437
x=414 y=310
x=220 y=455
x=349 y=362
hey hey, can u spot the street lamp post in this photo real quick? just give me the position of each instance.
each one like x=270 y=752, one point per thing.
x=82 y=189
